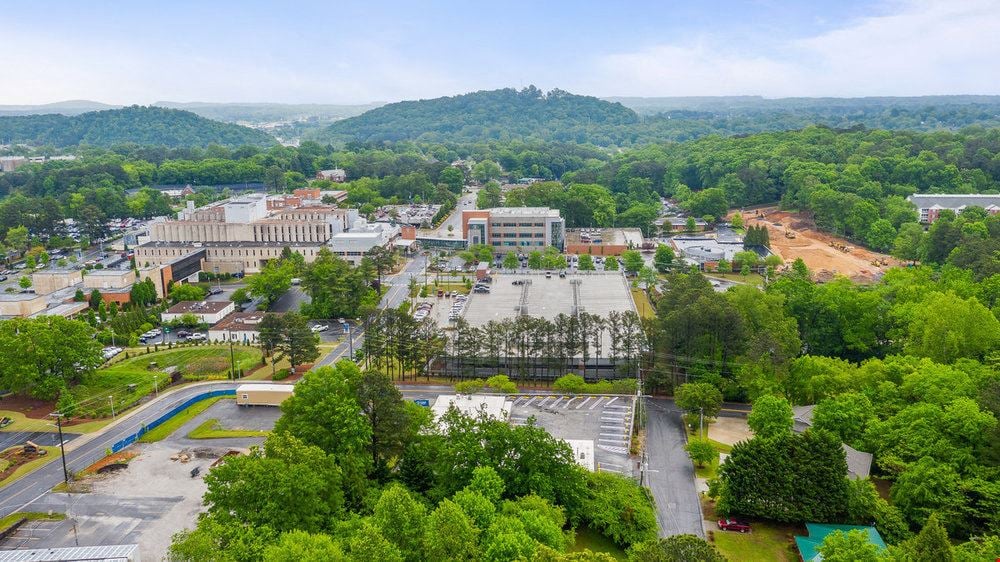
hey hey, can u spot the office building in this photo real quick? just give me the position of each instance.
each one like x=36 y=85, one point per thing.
x=508 y=228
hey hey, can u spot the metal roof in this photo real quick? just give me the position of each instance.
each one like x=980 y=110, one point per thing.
x=106 y=553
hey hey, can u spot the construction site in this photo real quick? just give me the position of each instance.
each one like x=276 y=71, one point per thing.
x=794 y=235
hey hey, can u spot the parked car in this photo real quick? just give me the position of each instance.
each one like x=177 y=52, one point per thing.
x=198 y=336
x=215 y=291
x=319 y=328
x=734 y=525
x=3 y=277
x=182 y=334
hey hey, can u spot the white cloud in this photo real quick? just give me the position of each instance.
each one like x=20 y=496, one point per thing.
x=922 y=47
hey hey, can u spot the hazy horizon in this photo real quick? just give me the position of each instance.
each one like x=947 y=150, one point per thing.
x=358 y=53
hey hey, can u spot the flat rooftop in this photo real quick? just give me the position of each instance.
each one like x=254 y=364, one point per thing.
x=199 y=307
x=594 y=292
x=523 y=211
x=605 y=236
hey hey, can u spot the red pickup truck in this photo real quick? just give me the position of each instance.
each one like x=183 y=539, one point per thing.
x=734 y=525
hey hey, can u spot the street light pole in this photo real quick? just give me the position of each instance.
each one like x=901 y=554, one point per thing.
x=156 y=387
x=112 y=400
x=701 y=423
x=62 y=449
x=232 y=360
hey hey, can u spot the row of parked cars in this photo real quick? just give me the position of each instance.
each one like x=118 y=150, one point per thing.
x=109 y=352
x=423 y=309
x=457 y=307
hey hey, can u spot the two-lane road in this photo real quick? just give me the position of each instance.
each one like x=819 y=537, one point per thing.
x=87 y=449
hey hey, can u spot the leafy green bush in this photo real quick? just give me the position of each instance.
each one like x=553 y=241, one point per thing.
x=469 y=387
x=619 y=509
x=575 y=384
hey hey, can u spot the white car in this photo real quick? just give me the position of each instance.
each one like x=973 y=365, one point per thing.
x=197 y=336
x=319 y=328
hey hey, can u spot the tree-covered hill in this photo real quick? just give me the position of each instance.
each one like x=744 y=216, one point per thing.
x=496 y=114
x=134 y=124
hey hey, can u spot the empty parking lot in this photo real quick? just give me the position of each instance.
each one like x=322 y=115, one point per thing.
x=594 y=292
x=605 y=420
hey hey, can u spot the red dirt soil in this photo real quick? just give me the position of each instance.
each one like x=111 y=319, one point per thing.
x=119 y=457
x=30 y=407
x=813 y=246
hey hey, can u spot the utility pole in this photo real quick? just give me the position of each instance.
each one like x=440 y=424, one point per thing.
x=701 y=423
x=62 y=450
x=156 y=387
x=232 y=360
x=112 y=400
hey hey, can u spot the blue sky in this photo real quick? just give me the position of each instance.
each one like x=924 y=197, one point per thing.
x=356 y=52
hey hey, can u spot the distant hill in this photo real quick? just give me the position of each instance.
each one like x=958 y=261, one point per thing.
x=688 y=117
x=69 y=107
x=483 y=115
x=134 y=124
x=259 y=113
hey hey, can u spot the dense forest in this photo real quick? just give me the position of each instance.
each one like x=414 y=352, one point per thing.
x=855 y=183
x=498 y=114
x=563 y=117
x=135 y=124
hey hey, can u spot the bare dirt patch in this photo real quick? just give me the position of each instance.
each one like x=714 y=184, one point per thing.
x=823 y=253
x=30 y=407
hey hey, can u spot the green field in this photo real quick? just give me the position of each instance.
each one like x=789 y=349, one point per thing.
x=164 y=430
x=193 y=363
x=210 y=429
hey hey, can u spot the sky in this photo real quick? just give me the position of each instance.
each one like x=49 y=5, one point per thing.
x=349 y=51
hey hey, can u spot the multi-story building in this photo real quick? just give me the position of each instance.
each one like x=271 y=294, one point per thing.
x=930 y=205
x=507 y=228
x=242 y=234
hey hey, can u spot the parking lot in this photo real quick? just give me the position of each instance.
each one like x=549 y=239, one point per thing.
x=547 y=296
x=151 y=499
x=605 y=420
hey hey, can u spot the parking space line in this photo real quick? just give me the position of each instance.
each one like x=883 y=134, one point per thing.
x=589 y=398
x=528 y=403
x=543 y=401
x=599 y=399
x=611 y=401
x=554 y=404
x=570 y=401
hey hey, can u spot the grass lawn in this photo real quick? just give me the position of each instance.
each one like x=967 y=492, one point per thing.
x=751 y=279
x=24 y=423
x=173 y=424
x=769 y=541
x=29 y=467
x=264 y=373
x=8 y=521
x=195 y=363
x=587 y=539
x=211 y=429
x=766 y=543
x=642 y=303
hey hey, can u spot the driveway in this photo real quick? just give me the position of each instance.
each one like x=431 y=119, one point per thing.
x=670 y=474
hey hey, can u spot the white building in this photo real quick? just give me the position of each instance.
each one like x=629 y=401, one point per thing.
x=207 y=312
x=930 y=205
x=362 y=238
x=239 y=327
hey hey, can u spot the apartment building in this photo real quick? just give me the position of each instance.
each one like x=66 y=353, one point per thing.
x=507 y=228
x=930 y=205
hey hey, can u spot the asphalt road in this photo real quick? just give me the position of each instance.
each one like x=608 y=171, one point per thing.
x=88 y=449
x=670 y=474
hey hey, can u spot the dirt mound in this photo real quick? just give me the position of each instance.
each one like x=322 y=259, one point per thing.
x=794 y=235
